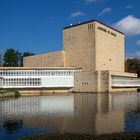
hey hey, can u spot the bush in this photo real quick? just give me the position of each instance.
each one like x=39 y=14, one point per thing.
x=17 y=94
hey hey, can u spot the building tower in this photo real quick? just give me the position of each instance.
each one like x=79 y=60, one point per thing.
x=94 y=46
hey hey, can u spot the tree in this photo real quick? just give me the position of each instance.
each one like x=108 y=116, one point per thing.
x=19 y=56
x=11 y=58
x=14 y=58
x=133 y=65
x=27 y=54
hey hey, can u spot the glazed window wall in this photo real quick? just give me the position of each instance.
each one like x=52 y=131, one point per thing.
x=22 y=82
x=118 y=81
x=37 y=72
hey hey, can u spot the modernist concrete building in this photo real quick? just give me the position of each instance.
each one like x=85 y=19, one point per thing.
x=96 y=51
x=99 y=51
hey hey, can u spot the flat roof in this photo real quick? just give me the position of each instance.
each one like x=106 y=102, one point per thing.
x=37 y=68
x=86 y=22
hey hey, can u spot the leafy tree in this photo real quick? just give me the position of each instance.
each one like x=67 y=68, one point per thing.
x=14 y=58
x=133 y=65
x=10 y=58
x=27 y=54
x=19 y=56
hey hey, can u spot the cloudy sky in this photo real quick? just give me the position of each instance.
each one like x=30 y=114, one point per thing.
x=36 y=25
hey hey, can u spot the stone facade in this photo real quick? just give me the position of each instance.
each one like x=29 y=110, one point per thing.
x=53 y=59
x=79 y=47
x=109 y=48
x=86 y=82
x=94 y=46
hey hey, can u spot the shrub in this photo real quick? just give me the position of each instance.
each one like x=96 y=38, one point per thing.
x=17 y=94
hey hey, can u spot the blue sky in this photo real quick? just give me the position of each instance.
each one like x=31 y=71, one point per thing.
x=36 y=25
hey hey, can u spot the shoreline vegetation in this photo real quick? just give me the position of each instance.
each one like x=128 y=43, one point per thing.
x=115 y=136
x=9 y=93
x=6 y=93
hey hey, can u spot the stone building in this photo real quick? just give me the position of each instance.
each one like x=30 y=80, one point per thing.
x=99 y=51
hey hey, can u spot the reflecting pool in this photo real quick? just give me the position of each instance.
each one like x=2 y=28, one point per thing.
x=74 y=113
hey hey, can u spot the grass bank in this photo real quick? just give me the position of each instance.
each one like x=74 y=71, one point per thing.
x=9 y=93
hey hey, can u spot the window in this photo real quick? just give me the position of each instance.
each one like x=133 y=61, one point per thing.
x=90 y=26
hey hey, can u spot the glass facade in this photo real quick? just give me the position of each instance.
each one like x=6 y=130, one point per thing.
x=33 y=78
x=38 y=72
x=118 y=81
x=22 y=82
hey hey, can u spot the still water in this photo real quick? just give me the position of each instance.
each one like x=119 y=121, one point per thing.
x=74 y=113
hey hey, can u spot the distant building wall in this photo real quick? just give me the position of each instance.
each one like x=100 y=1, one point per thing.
x=53 y=59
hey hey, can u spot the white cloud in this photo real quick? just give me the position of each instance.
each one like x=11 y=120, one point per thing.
x=77 y=14
x=104 y=11
x=134 y=55
x=92 y=1
x=137 y=55
x=129 y=7
x=138 y=43
x=129 y=25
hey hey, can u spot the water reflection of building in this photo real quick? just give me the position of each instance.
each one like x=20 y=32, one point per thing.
x=117 y=105
x=37 y=106
x=90 y=114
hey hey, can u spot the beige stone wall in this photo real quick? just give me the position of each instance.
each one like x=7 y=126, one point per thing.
x=91 y=48
x=109 y=48
x=78 y=43
x=126 y=74
x=103 y=81
x=54 y=59
x=85 y=82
